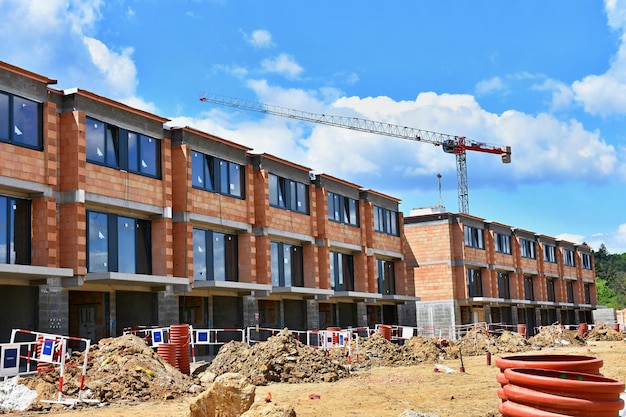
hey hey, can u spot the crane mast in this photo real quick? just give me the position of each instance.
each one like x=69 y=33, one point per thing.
x=457 y=145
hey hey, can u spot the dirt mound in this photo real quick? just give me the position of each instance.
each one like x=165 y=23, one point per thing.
x=119 y=369
x=555 y=336
x=602 y=332
x=281 y=359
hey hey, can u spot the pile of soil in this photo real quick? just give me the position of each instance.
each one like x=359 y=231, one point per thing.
x=555 y=336
x=281 y=359
x=119 y=369
x=602 y=332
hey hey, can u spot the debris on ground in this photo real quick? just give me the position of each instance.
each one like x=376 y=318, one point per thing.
x=602 y=332
x=282 y=358
x=126 y=369
x=120 y=369
x=555 y=336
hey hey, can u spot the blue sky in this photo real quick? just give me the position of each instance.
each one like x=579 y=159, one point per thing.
x=546 y=78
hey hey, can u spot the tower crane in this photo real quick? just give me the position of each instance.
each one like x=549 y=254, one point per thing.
x=457 y=145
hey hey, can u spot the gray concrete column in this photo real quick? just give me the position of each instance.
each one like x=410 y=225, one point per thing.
x=250 y=311
x=515 y=315
x=168 y=307
x=558 y=315
x=312 y=315
x=54 y=308
x=361 y=314
x=487 y=310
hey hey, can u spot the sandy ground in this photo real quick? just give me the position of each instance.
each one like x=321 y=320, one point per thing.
x=385 y=391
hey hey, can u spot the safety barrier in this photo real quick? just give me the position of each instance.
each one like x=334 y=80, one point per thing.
x=48 y=352
x=214 y=337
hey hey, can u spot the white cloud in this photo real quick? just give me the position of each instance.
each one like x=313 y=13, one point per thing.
x=615 y=241
x=605 y=94
x=118 y=68
x=490 y=85
x=259 y=39
x=283 y=64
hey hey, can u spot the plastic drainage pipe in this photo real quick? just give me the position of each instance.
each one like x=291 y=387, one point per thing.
x=572 y=363
x=559 y=392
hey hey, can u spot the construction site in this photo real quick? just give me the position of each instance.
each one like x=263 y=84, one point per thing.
x=167 y=271
x=376 y=375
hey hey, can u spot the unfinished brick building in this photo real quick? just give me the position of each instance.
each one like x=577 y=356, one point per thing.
x=469 y=270
x=112 y=220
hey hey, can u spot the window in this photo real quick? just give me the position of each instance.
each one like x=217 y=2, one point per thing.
x=551 y=290
x=343 y=209
x=341 y=272
x=289 y=194
x=503 y=243
x=587 y=294
x=287 y=265
x=474 y=283
x=118 y=244
x=217 y=175
x=569 y=285
x=549 y=253
x=215 y=256
x=386 y=221
x=504 y=290
x=20 y=121
x=386 y=277
x=119 y=148
x=15 y=231
x=528 y=248
x=568 y=257
x=529 y=290
x=473 y=237
x=586 y=259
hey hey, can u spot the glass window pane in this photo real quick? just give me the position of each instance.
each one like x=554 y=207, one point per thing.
x=4 y=216
x=4 y=117
x=210 y=176
x=26 y=122
x=94 y=132
x=133 y=152
x=98 y=242
x=112 y=141
x=294 y=203
x=197 y=169
x=276 y=258
x=224 y=189
x=21 y=232
x=219 y=260
x=287 y=264
x=199 y=255
x=150 y=156
x=126 y=244
x=235 y=179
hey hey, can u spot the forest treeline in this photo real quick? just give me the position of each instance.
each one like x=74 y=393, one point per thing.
x=610 y=278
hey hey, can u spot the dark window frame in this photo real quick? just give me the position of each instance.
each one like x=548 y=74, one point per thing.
x=282 y=277
x=117 y=150
x=342 y=209
x=218 y=175
x=474 y=237
x=112 y=249
x=569 y=286
x=386 y=221
x=551 y=289
x=586 y=261
x=288 y=194
x=569 y=257
x=227 y=269
x=549 y=253
x=504 y=285
x=528 y=248
x=386 y=274
x=15 y=230
x=341 y=271
x=502 y=243
x=529 y=288
x=13 y=127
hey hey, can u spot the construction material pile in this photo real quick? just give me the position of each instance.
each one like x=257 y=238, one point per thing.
x=281 y=359
x=602 y=332
x=119 y=369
